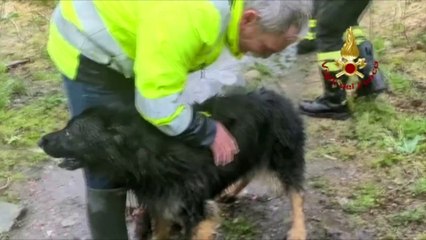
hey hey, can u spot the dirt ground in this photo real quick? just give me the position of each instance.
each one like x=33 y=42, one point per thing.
x=365 y=176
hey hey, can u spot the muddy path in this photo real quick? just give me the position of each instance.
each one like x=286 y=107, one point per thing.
x=54 y=198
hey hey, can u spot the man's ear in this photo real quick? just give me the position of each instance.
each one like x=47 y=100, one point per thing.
x=250 y=17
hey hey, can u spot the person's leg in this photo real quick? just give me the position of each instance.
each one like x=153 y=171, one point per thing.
x=106 y=197
x=309 y=43
x=334 y=17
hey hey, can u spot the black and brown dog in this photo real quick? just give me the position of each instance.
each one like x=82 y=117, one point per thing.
x=175 y=181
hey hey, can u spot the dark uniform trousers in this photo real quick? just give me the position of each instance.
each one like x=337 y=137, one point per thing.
x=334 y=17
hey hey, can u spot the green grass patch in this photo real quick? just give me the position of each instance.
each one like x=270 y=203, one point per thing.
x=238 y=228
x=365 y=197
x=419 y=186
x=379 y=45
x=369 y=122
x=23 y=126
x=378 y=124
x=413 y=126
x=400 y=83
x=387 y=160
x=411 y=216
x=9 y=87
x=12 y=159
x=262 y=69
x=323 y=185
x=45 y=76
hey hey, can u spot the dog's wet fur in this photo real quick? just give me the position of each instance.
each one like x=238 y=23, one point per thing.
x=175 y=182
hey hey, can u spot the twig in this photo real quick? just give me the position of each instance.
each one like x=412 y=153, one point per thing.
x=404 y=15
x=329 y=157
x=3 y=9
x=312 y=82
x=5 y=186
x=16 y=63
x=41 y=15
x=18 y=32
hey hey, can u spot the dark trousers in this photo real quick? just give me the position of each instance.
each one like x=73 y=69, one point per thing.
x=333 y=18
x=96 y=85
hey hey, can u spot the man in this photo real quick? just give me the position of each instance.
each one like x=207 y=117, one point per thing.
x=333 y=18
x=140 y=52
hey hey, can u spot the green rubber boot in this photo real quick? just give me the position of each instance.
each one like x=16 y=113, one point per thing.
x=106 y=213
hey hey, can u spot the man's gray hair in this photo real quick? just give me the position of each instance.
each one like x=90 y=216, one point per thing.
x=279 y=15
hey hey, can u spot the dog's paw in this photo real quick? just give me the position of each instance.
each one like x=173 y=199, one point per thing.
x=296 y=234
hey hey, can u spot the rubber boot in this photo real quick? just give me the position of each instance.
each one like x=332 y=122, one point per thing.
x=309 y=43
x=371 y=84
x=330 y=105
x=106 y=213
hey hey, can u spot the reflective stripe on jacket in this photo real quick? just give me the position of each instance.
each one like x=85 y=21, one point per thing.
x=156 y=42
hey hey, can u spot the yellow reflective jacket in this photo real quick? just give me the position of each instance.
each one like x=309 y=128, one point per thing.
x=155 y=42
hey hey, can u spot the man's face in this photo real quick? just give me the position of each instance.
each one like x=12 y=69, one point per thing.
x=263 y=44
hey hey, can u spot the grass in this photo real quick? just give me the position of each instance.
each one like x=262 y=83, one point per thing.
x=421 y=236
x=365 y=197
x=22 y=126
x=262 y=69
x=389 y=135
x=13 y=159
x=411 y=216
x=9 y=87
x=322 y=185
x=419 y=187
x=45 y=76
x=238 y=228
x=387 y=160
x=378 y=124
x=31 y=102
x=400 y=82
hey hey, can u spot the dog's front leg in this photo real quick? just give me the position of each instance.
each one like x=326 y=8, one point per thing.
x=298 y=228
x=162 y=229
x=206 y=229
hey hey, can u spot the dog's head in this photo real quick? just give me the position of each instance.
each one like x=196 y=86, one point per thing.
x=85 y=139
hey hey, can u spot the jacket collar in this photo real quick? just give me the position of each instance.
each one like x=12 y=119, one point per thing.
x=233 y=33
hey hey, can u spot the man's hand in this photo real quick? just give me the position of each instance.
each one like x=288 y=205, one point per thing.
x=224 y=146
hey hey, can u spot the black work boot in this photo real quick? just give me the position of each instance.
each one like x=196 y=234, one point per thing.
x=330 y=105
x=372 y=84
x=106 y=213
x=309 y=43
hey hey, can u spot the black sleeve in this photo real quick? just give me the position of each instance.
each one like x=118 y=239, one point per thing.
x=201 y=132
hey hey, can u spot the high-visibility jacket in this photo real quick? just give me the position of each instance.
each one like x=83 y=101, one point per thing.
x=155 y=42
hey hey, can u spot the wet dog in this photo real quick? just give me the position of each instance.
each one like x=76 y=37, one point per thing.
x=175 y=181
